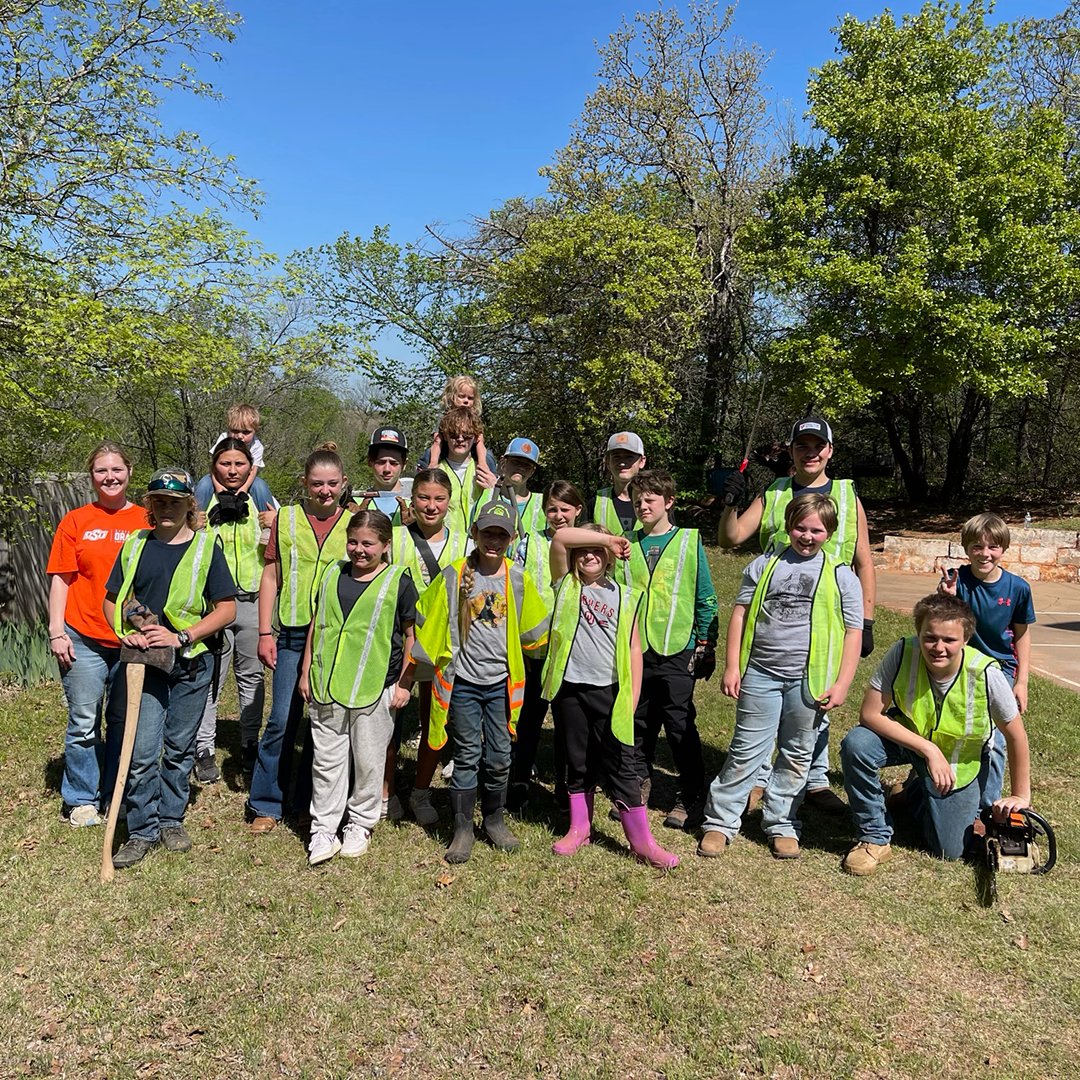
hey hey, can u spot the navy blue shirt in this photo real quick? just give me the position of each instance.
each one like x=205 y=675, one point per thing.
x=998 y=607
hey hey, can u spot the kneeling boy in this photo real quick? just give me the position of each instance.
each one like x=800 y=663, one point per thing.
x=933 y=702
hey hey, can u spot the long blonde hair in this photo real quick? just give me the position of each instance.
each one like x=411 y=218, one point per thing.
x=453 y=385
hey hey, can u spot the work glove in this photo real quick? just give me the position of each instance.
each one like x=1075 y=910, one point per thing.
x=734 y=488
x=703 y=662
x=867 y=638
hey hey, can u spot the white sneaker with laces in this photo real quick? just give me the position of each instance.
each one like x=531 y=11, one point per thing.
x=356 y=842
x=323 y=847
x=83 y=816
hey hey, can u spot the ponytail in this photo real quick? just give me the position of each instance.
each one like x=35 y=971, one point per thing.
x=468 y=581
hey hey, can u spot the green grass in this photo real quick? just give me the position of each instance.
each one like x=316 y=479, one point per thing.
x=238 y=961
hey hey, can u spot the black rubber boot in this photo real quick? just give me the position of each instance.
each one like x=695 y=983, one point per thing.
x=493 y=804
x=462 y=803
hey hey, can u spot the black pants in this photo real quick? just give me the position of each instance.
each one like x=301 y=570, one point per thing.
x=530 y=721
x=593 y=754
x=667 y=701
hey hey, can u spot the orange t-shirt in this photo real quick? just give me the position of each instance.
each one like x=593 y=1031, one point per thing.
x=86 y=544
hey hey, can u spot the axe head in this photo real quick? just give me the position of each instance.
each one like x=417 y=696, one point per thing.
x=159 y=656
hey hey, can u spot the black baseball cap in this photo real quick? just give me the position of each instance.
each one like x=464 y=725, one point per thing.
x=497 y=514
x=390 y=437
x=812 y=425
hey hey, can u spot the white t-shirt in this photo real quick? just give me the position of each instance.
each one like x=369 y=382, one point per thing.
x=256 y=449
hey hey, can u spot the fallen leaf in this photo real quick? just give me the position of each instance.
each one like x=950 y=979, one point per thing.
x=206 y=823
x=993 y=1060
x=527 y=1009
x=773 y=1033
x=444 y=880
x=21 y=973
x=194 y=899
x=216 y=849
x=808 y=948
x=257 y=861
x=1021 y=942
x=371 y=986
x=812 y=1017
x=339 y=924
x=813 y=973
x=647 y=957
x=196 y=1033
x=28 y=844
x=49 y=1031
x=1006 y=915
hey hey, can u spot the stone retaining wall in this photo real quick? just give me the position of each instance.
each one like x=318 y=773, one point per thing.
x=1035 y=554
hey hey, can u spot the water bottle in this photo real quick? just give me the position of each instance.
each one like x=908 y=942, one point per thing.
x=1027 y=520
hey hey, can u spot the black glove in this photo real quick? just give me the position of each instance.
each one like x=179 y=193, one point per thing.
x=734 y=488
x=867 y=637
x=703 y=662
x=230 y=506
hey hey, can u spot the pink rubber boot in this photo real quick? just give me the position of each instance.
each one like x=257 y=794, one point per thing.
x=635 y=822
x=581 y=810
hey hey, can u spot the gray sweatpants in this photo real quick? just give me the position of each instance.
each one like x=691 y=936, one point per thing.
x=335 y=732
x=242 y=652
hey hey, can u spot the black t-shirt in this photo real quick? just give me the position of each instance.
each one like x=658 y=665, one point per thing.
x=157 y=564
x=349 y=591
x=625 y=509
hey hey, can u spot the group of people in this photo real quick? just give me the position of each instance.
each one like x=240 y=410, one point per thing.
x=495 y=602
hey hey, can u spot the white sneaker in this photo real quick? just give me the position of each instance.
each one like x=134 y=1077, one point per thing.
x=420 y=805
x=82 y=816
x=324 y=846
x=356 y=842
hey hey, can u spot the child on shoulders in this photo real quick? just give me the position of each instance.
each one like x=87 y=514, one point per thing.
x=242 y=422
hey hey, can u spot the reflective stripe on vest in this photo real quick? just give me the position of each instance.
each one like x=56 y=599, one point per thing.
x=303 y=562
x=403 y=552
x=962 y=728
x=841 y=545
x=185 y=603
x=604 y=513
x=240 y=544
x=350 y=655
x=564 y=625
x=461 y=495
x=669 y=603
x=827 y=628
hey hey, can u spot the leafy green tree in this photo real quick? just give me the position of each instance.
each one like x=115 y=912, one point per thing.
x=921 y=247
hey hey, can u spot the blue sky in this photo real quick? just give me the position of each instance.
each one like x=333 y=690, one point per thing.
x=353 y=114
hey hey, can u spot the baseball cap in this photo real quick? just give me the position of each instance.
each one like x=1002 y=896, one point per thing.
x=497 y=514
x=523 y=448
x=389 y=436
x=625 y=440
x=812 y=425
x=174 y=482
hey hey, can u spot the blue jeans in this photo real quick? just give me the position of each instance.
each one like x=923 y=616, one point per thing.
x=274 y=767
x=480 y=736
x=172 y=704
x=770 y=711
x=946 y=819
x=85 y=684
x=818 y=776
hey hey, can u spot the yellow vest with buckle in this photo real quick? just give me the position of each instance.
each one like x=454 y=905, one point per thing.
x=604 y=513
x=564 y=624
x=350 y=654
x=438 y=640
x=962 y=727
x=185 y=603
x=670 y=591
x=240 y=543
x=404 y=552
x=303 y=562
x=841 y=545
x=827 y=628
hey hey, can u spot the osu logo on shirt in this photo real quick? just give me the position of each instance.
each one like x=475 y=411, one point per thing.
x=119 y=535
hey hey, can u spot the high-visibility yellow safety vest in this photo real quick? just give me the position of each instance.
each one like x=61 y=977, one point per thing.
x=564 y=624
x=670 y=590
x=459 y=513
x=404 y=552
x=536 y=549
x=350 y=654
x=530 y=512
x=303 y=562
x=240 y=543
x=963 y=726
x=841 y=545
x=827 y=628
x=438 y=641
x=185 y=603
x=604 y=513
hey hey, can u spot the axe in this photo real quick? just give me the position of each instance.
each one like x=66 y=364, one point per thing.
x=136 y=661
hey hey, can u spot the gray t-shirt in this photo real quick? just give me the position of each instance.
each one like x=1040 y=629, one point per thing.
x=998 y=691
x=782 y=634
x=592 y=659
x=482 y=659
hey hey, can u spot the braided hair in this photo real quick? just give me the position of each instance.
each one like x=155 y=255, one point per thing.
x=468 y=582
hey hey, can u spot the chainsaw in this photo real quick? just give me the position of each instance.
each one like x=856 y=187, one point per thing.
x=1022 y=844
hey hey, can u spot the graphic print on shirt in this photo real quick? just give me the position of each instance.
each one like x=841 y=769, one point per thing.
x=489 y=607
x=596 y=611
x=790 y=606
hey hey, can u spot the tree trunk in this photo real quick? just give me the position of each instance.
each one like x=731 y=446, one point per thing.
x=910 y=463
x=961 y=440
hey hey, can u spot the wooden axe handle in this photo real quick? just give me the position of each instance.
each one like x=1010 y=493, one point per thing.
x=135 y=676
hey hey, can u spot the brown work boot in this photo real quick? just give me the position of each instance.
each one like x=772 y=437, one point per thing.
x=827 y=801
x=757 y=793
x=712 y=844
x=864 y=858
x=260 y=826
x=784 y=847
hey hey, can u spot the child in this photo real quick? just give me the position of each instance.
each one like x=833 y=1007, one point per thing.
x=472 y=626
x=623 y=460
x=592 y=679
x=516 y=467
x=181 y=577
x=235 y=520
x=242 y=422
x=811 y=451
x=386 y=456
x=305 y=539
x=668 y=564
x=563 y=506
x=1004 y=610
x=932 y=703
x=424 y=548
x=459 y=431
x=792 y=650
x=460 y=392
x=354 y=676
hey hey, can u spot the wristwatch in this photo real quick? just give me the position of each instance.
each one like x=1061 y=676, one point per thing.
x=183 y=639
